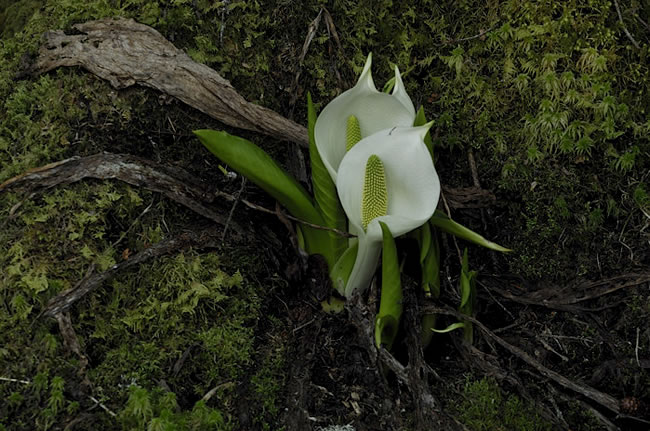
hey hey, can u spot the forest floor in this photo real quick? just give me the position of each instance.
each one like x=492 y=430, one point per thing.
x=125 y=304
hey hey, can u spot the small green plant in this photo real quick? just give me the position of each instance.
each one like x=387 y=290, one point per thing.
x=157 y=411
x=484 y=408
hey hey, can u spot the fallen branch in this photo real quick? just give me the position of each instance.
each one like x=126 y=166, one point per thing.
x=204 y=238
x=560 y=298
x=603 y=399
x=175 y=183
x=127 y=53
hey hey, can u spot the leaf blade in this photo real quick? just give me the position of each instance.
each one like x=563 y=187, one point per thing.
x=444 y=223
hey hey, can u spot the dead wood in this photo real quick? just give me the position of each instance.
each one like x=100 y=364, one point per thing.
x=173 y=182
x=468 y=197
x=565 y=298
x=127 y=53
x=204 y=238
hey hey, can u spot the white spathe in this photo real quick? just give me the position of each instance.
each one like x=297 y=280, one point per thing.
x=374 y=110
x=413 y=191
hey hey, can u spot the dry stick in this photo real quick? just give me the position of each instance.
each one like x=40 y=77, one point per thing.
x=620 y=19
x=127 y=53
x=605 y=400
x=331 y=30
x=477 y=184
x=297 y=164
x=206 y=237
x=476 y=36
x=311 y=32
x=232 y=208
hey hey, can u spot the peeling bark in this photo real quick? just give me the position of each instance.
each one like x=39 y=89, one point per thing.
x=175 y=183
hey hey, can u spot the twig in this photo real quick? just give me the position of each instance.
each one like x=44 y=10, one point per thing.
x=311 y=32
x=636 y=348
x=232 y=208
x=620 y=19
x=106 y=409
x=214 y=390
x=601 y=398
x=93 y=399
x=9 y=379
x=476 y=36
x=206 y=237
x=552 y=297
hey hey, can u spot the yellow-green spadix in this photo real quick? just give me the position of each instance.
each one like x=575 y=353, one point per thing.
x=372 y=111
x=409 y=181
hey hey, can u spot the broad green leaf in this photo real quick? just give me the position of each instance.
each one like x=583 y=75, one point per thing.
x=340 y=272
x=450 y=328
x=444 y=223
x=252 y=162
x=327 y=200
x=390 y=303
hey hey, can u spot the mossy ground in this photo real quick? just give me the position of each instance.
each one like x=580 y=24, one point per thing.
x=551 y=97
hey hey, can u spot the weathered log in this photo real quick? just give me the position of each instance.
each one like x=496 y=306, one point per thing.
x=127 y=53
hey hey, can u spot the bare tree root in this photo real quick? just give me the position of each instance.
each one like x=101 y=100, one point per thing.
x=175 y=183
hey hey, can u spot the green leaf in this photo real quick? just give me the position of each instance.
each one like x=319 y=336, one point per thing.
x=430 y=268
x=428 y=325
x=389 y=85
x=340 y=272
x=444 y=223
x=467 y=286
x=327 y=200
x=390 y=304
x=253 y=163
x=450 y=328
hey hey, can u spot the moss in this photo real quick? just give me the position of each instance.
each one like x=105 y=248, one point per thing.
x=485 y=408
x=268 y=381
x=135 y=329
x=551 y=97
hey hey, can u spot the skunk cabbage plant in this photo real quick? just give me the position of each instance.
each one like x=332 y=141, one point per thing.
x=373 y=176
